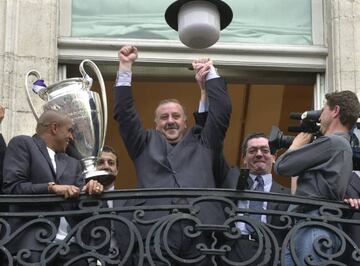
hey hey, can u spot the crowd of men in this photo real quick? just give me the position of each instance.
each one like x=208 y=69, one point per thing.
x=174 y=156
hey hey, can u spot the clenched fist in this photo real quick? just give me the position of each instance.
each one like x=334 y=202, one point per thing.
x=127 y=56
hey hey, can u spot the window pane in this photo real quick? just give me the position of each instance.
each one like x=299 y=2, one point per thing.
x=256 y=21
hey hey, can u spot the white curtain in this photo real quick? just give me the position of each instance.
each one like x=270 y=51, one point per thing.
x=254 y=21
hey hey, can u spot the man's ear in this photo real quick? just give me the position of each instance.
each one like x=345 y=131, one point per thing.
x=336 y=110
x=273 y=157
x=156 y=124
x=53 y=128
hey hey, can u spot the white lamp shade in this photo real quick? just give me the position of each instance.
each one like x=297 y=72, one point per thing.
x=199 y=24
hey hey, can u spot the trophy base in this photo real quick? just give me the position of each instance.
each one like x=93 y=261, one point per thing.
x=102 y=176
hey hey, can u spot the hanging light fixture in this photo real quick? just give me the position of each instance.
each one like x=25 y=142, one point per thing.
x=198 y=22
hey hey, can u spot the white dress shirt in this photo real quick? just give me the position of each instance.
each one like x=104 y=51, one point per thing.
x=64 y=225
x=244 y=204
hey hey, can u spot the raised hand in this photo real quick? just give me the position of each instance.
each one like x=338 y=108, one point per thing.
x=202 y=68
x=127 y=56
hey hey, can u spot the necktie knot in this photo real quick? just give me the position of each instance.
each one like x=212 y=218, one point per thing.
x=260 y=183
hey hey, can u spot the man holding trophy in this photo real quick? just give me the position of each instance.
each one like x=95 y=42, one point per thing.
x=172 y=156
x=39 y=165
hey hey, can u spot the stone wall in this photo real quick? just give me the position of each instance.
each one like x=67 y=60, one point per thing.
x=28 y=30
x=343 y=39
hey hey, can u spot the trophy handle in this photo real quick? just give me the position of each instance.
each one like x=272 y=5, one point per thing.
x=37 y=75
x=103 y=92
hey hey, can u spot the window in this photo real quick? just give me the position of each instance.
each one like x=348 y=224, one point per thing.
x=259 y=21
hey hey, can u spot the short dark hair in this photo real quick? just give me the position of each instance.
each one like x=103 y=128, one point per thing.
x=165 y=101
x=108 y=148
x=250 y=136
x=349 y=106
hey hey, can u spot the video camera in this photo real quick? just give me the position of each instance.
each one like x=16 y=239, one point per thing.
x=308 y=123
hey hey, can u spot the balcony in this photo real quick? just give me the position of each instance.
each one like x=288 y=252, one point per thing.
x=145 y=233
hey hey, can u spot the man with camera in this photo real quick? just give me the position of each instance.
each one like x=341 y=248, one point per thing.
x=323 y=167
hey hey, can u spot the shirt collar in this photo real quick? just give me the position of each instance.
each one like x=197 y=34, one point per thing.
x=267 y=178
x=51 y=152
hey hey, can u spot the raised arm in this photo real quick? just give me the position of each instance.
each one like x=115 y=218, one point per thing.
x=200 y=80
x=218 y=118
x=130 y=127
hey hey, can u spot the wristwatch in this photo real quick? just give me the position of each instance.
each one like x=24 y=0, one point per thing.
x=50 y=185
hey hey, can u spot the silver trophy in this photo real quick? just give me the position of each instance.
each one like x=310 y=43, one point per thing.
x=73 y=97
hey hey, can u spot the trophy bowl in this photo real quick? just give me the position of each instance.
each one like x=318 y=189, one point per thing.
x=74 y=97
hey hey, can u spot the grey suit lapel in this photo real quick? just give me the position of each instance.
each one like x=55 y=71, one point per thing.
x=43 y=149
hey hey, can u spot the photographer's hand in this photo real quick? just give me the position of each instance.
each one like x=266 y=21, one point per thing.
x=355 y=203
x=300 y=140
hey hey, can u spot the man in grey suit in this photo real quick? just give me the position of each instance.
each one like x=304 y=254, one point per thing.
x=172 y=156
x=38 y=165
x=259 y=160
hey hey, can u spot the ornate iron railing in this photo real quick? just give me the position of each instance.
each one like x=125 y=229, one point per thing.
x=166 y=227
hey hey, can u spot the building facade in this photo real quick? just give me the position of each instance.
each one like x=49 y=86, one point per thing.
x=280 y=74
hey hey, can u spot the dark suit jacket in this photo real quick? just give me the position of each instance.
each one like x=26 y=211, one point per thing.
x=220 y=165
x=189 y=163
x=231 y=182
x=28 y=170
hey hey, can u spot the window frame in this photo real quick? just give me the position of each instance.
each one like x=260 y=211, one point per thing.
x=240 y=56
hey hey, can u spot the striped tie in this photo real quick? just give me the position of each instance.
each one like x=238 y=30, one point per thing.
x=256 y=205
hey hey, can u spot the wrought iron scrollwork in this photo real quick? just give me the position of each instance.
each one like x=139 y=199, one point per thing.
x=174 y=233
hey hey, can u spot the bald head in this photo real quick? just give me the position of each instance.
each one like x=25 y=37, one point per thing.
x=50 y=117
x=56 y=130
